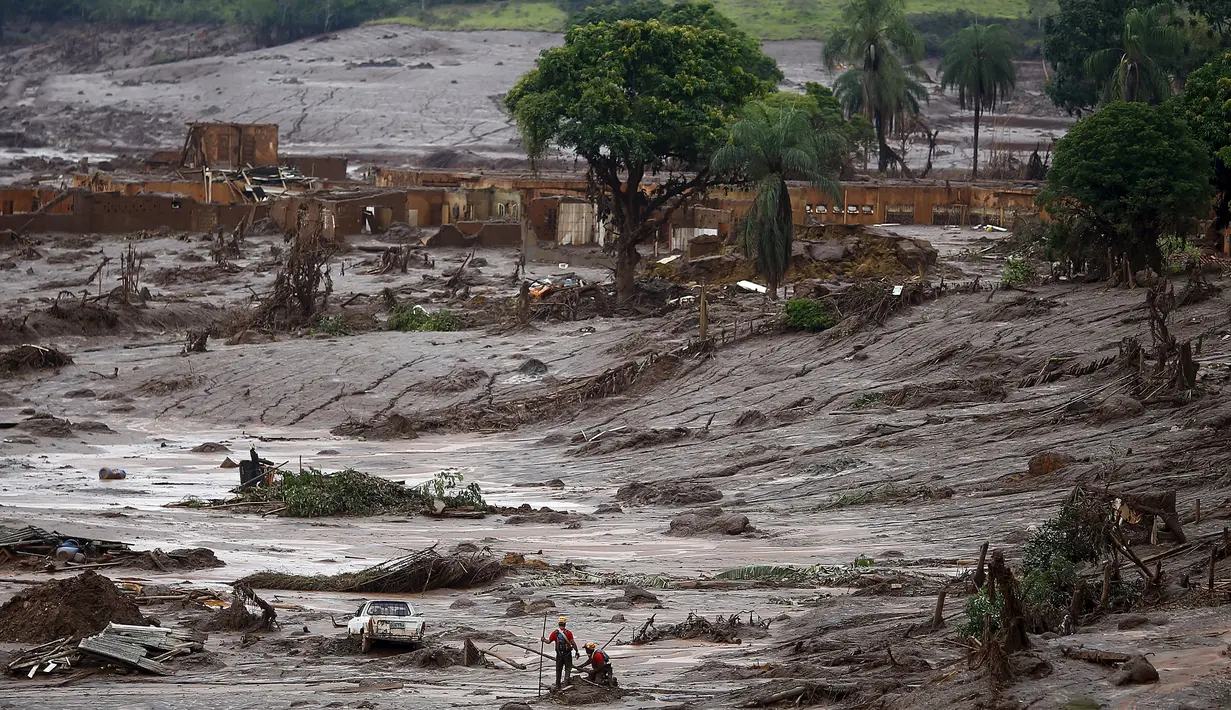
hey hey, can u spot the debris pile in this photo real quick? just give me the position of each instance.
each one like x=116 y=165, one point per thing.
x=724 y=629
x=33 y=543
x=247 y=612
x=66 y=608
x=417 y=572
x=144 y=648
x=25 y=358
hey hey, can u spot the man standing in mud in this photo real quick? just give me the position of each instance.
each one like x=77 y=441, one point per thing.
x=563 y=639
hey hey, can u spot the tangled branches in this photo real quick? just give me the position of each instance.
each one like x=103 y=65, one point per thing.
x=297 y=293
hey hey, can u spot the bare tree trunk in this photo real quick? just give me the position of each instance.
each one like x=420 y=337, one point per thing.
x=885 y=152
x=627 y=258
x=974 y=173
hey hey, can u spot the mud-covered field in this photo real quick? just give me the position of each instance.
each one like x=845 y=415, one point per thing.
x=385 y=93
x=906 y=442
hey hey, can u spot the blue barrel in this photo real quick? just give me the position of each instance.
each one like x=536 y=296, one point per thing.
x=112 y=474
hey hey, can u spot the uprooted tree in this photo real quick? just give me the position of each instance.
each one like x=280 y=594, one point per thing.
x=640 y=100
x=303 y=285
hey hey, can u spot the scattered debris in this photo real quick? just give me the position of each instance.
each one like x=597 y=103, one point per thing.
x=724 y=629
x=133 y=646
x=677 y=492
x=417 y=572
x=25 y=358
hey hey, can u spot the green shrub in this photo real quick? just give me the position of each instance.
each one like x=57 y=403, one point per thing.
x=1178 y=254
x=407 y=319
x=447 y=487
x=329 y=325
x=978 y=606
x=809 y=314
x=1017 y=272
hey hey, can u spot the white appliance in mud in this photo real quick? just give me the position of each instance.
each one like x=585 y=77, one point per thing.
x=385 y=620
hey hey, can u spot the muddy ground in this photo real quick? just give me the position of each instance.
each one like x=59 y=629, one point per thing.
x=839 y=445
x=387 y=94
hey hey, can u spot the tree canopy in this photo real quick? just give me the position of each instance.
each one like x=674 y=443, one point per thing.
x=1123 y=177
x=1205 y=105
x=694 y=14
x=882 y=82
x=979 y=64
x=1078 y=30
x=1135 y=69
x=771 y=143
x=635 y=100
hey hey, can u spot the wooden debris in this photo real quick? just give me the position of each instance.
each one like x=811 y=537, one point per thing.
x=1106 y=658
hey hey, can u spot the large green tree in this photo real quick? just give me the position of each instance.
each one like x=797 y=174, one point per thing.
x=1079 y=29
x=1135 y=70
x=1206 y=107
x=638 y=101
x=881 y=50
x=1122 y=177
x=695 y=14
x=769 y=145
x=979 y=64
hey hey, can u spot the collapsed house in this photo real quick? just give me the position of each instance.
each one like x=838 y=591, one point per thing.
x=227 y=173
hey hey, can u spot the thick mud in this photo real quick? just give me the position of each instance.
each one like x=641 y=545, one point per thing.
x=838 y=466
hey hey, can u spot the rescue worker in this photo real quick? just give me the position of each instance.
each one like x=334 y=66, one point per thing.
x=563 y=639
x=600 y=665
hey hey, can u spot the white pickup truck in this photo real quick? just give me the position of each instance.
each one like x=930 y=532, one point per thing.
x=385 y=620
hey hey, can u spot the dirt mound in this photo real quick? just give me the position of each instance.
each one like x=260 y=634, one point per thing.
x=1021 y=307
x=681 y=492
x=25 y=358
x=586 y=694
x=180 y=560
x=211 y=447
x=460 y=380
x=76 y=607
x=634 y=439
x=1118 y=406
x=435 y=657
x=710 y=521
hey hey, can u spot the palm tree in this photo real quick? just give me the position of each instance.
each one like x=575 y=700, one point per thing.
x=882 y=49
x=769 y=145
x=1133 y=71
x=979 y=62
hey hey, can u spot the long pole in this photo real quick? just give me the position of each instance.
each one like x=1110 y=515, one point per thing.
x=542 y=655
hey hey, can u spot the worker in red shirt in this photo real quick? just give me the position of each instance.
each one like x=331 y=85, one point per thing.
x=563 y=639
x=600 y=666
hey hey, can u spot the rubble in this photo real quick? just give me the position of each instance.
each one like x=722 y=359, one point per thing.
x=417 y=572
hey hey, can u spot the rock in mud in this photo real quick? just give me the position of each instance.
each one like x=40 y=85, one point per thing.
x=636 y=595
x=47 y=426
x=93 y=426
x=75 y=607
x=228 y=463
x=515 y=706
x=1136 y=670
x=86 y=393
x=679 y=492
x=710 y=521
x=462 y=603
x=750 y=417
x=1118 y=406
x=1132 y=621
x=535 y=606
x=211 y=447
x=1047 y=462
x=533 y=367
x=608 y=509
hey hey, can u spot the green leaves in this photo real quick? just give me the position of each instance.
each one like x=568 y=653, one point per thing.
x=633 y=93
x=1122 y=177
x=769 y=145
x=979 y=64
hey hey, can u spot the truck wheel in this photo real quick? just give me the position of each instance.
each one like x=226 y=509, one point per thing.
x=365 y=643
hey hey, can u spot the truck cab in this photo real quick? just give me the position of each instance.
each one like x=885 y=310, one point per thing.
x=385 y=620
